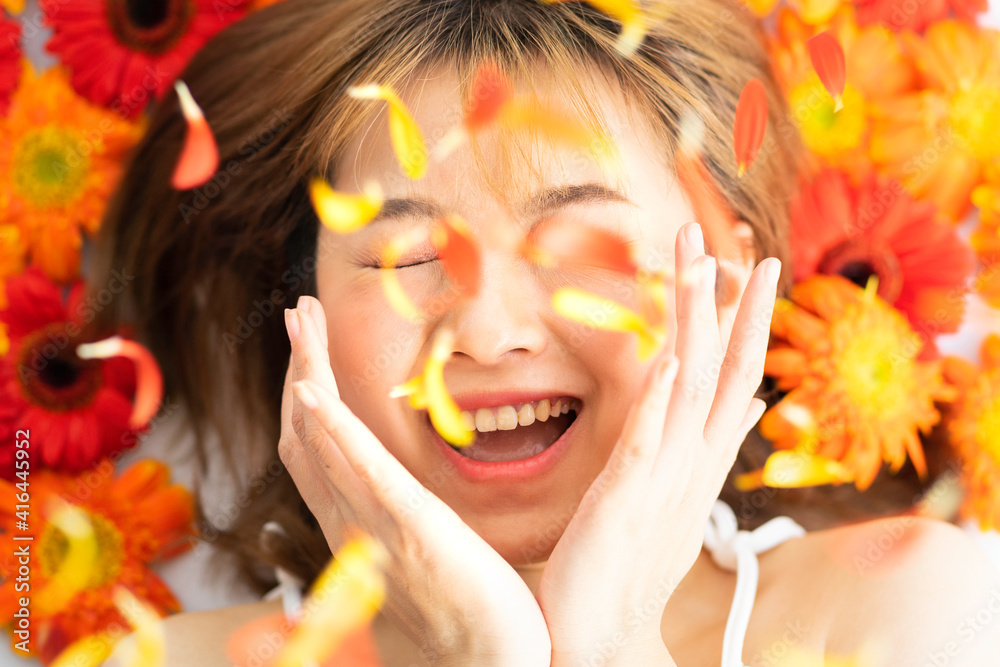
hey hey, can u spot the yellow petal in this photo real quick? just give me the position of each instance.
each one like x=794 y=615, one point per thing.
x=394 y=292
x=598 y=312
x=344 y=598
x=91 y=651
x=443 y=411
x=76 y=570
x=407 y=139
x=150 y=644
x=795 y=468
x=345 y=212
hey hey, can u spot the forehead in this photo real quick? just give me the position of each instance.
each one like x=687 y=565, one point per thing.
x=510 y=165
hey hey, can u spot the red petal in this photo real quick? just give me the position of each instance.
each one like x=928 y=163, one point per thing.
x=458 y=252
x=200 y=157
x=750 y=124
x=828 y=60
x=490 y=90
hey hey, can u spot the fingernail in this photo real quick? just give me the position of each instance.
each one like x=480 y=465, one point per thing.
x=292 y=323
x=305 y=395
x=303 y=303
x=773 y=270
x=695 y=238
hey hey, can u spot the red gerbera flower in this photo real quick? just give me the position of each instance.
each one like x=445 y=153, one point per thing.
x=77 y=411
x=10 y=60
x=910 y=15
x=877 y=228
x=122 y=53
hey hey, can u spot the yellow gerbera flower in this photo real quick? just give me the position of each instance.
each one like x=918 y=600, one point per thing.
x=60 y=158
x=972 y=428
x=858 y=392
x=939 y=140
x=876 y=69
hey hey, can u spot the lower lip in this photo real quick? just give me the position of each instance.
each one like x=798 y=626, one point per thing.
x=506 y=471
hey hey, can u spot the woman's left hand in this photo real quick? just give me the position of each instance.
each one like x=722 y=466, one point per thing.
x=640 y=526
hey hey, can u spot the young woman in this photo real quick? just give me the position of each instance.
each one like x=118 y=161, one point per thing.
x=572 y=540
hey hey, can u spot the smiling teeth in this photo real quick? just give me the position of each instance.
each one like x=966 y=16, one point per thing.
x=509 y=417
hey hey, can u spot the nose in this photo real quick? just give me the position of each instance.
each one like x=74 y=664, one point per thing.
x=504 y=318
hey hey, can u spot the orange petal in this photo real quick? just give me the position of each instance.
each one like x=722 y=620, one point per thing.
x=828 y=60
x=815 y=12
x=458 y=253
x=345 y=212
x=598 y=312
x=199 y=159
x=149 y=383
x=490 y=91
x=750 y=124
x=710 y=208
x=150 y=647
x=560 y=128
x=394 y=292
x=761 y=8
x=76 y=570
x=344 y=598
x=407 y=139
x=555 y=241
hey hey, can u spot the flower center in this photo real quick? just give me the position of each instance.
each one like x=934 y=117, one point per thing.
x=875 y=363
x=48 y=170
x=824 y=130
x=975 y=115
x=150 y=26
x=858 y=260
x=53 y=547
x=52 y=376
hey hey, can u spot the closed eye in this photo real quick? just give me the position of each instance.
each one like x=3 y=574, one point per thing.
x=404 y=266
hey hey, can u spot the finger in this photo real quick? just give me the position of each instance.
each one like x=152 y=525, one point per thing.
x=753 y=414
x=642 y=434
x=391 y=484
x=735 y=276
x=313 y=306
x=698 y=345
x=743 y=366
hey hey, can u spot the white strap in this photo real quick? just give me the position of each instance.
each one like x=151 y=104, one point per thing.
x=289 y=586
x=733 y=549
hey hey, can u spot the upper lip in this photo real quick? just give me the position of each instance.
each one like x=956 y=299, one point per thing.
x=492 y=399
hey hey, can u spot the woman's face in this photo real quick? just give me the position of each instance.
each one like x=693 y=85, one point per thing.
x=511 y=348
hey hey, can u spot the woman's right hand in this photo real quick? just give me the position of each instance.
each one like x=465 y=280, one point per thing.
x=451 y=593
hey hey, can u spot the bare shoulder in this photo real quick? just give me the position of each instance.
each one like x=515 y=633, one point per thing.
x=198 y=639
x=917 y=589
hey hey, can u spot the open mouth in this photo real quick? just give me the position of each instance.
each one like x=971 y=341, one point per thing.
x=519 y=431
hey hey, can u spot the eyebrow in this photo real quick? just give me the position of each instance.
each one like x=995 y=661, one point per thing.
x=537 y=206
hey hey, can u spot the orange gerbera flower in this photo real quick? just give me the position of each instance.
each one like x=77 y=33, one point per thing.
x=972 y=428
x=875 y=67
x=877 y=228
x=857 y=393
x=939 y=140
x=60 y=158
x=10 y=59
x=134 y=518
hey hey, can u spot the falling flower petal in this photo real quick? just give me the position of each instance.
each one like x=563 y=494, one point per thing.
x=91 y=651
x=407 y=139
x=561 y=128
x=344 y=598
x=490 y=91
x=710 y=208
x=428 y=391
x=828 y=59
x=815 y=12
x=149 y=383
x=629 y=14
x=598 y=312
x=458 y=253
x=555 y=241
x=77 y=566
x=199 y=159
x=150 y=647
x=394 y=292
x=793 y=469
x=345 y=212
x=750 y=124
